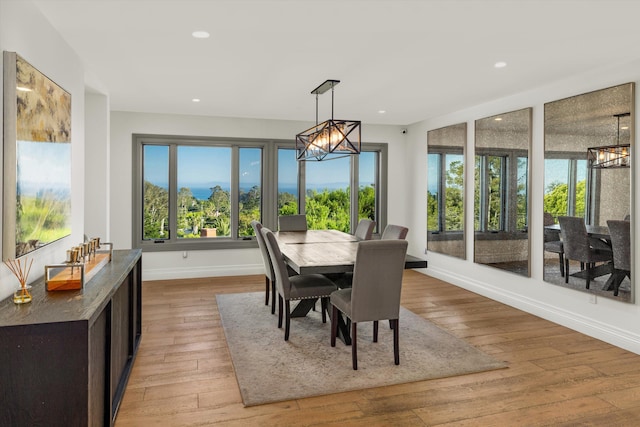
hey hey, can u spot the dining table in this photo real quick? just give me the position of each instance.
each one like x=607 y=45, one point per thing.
x=325 y=252
x=599 y=232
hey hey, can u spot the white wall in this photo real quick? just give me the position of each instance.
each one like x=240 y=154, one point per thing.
x=609 y=320
x=169 y=265
x=96 y=195
x=25 y=31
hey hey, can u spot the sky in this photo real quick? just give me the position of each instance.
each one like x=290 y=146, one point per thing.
x=43 y=165
x=208 y=166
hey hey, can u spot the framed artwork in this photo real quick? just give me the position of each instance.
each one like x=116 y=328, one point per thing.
x=37 y=159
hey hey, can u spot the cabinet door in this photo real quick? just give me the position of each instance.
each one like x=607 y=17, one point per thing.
x=99 y=370
x=121 y=339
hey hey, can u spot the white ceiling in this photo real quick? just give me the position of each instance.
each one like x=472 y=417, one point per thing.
x=413 y=59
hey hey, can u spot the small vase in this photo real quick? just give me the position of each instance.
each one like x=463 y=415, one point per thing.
x=22 y=295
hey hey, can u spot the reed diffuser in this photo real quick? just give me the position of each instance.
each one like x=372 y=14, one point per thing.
x=21 y=269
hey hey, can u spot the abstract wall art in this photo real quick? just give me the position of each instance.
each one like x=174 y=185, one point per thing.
x=37 y=159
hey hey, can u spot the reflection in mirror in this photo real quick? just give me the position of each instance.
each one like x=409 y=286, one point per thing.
x=575 y=187
x=501 y=192
x=445 y=190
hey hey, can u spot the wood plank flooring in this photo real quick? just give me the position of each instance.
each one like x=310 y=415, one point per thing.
x=183 y=374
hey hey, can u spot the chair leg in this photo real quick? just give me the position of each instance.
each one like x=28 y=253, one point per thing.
x=323 y=308
x=280 y=300
x=287 y=321
x=561 y=257
x=566 y=270
x=375 y=331
x=266 y=294
x=396 y=342
x=273 y=296
x=354 y=346
x=334 y=325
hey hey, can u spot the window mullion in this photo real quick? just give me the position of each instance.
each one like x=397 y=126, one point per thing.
x=235 y=189
x=173 y=193
x=354 y=185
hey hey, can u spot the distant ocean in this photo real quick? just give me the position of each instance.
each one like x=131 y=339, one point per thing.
x=203 y=193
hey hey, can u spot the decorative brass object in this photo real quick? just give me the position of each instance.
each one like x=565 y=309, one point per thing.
x=85 y=257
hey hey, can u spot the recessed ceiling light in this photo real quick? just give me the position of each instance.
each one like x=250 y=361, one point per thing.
x=200 y=34
x=382 y=111
x=500 y=64
x=624 y=127
x=195 y=100
x=498 y=119
x=23 y=89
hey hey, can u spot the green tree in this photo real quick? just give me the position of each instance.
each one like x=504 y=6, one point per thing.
x=156 y=212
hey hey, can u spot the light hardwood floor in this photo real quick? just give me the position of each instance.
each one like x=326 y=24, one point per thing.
x=183 y=374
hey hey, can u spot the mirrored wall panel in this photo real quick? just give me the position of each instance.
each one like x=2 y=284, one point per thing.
x=587 y=192
x=445 y=190
x=501 y=191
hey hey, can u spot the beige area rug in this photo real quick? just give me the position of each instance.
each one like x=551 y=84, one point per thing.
x=268 y=369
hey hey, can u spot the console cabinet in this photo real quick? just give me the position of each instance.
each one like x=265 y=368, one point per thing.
x=65 y=358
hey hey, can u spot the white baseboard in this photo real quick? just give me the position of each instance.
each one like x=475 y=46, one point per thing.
x=588 y=326
x=199 y=272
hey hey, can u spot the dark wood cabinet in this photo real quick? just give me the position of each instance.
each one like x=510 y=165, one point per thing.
x=65 y=358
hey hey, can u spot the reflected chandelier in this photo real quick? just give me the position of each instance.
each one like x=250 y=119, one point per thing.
x=610 y=156
x=330 y=139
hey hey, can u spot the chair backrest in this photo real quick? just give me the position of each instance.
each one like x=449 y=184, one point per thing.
x=548 y=219
x=575 y=239
x=279 y=267
x=394 y=232
x=550 y=235
x=620 y=232
x=292 y=223
x=377 y=280
x=627 y=217
x=364 y=230
x=268 y=267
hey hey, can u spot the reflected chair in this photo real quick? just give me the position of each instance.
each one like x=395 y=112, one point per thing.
x=620 y=232
x=394 y=232
x=269 y=274
x=364 y=230
x=292 y=223
x=304 y=286
x=552 y=242
x=579 y=246
x=375 y=293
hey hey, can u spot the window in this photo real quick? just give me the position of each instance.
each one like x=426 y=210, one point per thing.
x=368 y=171
x=491 y=183
x=500 y=193
x=327 y=195
x=202 y=193
x=565 y=186
x=287 y=182
x=446 y=178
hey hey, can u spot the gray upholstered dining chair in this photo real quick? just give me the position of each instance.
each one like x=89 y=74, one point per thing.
x=552 y=242
x=269 y=274
x=375 y=293
x=364 y=230
x=620 y=232
x=394 y=232
x=292 y=223
x=579 y=246
x=304 y=286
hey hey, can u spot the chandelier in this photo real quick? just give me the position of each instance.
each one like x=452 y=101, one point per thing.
x=330 y=139
x=610 y=156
